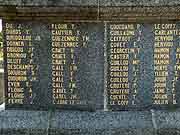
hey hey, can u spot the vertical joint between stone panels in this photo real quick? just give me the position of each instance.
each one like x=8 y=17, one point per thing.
x=105 y=67
x=49 y=122
x=154 y=121
x=98 y=9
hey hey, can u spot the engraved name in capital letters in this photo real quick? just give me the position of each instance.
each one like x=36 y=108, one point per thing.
x=20 y=53
x=66 y=38
x=130 y=48
x=164 y=41
x=119 y=55
x=143 y=61
x=50 y=64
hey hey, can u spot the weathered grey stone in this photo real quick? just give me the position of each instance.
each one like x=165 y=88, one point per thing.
x=89 y=123
x=49 y=2
x=89 y=2
x=75 y=122
x=167 y=119
x=13 y=119
x=139 y=2
x=103 y=123
x=11 y=2
x=168 y=131
x=101 y=120
x=167 y=122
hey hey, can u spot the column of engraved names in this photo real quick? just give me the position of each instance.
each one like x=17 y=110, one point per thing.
x=20 y=67
x=176 y=69
x=177 y=74
x=120 y=36
x=164 y=43
x=66 y=38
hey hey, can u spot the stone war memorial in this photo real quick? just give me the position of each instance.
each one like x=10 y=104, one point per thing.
x=91 y=67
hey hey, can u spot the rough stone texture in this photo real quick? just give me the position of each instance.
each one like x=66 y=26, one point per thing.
x=167 y=122
x=89 y=2
x=167 y=119
x=89 y=123
x=139 y=2
x=140 y=14
x=104 y=122
x=49 y=2
x=75 y=122
x=23 y=119
x=104 y=11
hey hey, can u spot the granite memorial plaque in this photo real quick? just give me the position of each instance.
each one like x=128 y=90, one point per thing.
x=143 y=66
x=62 y=65
x=54 y=65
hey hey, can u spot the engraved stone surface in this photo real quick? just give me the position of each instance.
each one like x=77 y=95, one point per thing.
x=54 y=65
x=143 y=65
x=94 y=73
x=62 y=65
